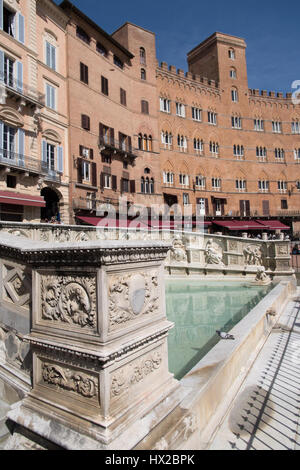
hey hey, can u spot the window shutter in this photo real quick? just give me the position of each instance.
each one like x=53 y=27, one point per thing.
x=101 y=180
x=266 y=207
x=101 y=132
x=21 y=146
x=19 y=66
x=81 y=150
x=48 y=54
x=129 y=144
x=79 y=170
x=120 y=144
x=1 y=14
x=247 y=208
x=242 y=208
x=114 y=182
x=92 y=154
x=132 y=186
x=44 y=154
x=21 y=28
x=1 y=67
x=60 y=159
x=94 y=174
x=206 y=207
x=112 y=136
x=53 y=57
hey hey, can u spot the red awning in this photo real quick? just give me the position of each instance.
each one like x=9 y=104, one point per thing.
x=273 y=225
x=8 y=197
x=240 y=224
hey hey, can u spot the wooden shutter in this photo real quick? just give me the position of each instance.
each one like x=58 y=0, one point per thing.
x=123 y=97
x=1 y=67
x=19 y=66
x=91 y=154
x=206 y=207
x=1 y=14
x=21 y=28
x=266 y=207
x=104 y=85
x=94 y=174
x=60 y=159
x=85 y=122
x=242 y=208
x=112 y=136
x=247 y=208
x=129 y=145
x=101 y=180
x=79 y=170
x=120 y=138
x=81 y=150
x=101 y=133
x=132 y=186
x=21 y=149
x=114 y=182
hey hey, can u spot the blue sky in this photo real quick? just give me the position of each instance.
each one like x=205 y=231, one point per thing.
x=270 y=28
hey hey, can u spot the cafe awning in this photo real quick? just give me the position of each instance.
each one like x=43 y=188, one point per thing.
x=8 y=197
x=240 y=224
x=273 y=225
x=107 y=222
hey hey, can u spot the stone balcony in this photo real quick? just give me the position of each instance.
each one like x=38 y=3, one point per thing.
x=20 y=92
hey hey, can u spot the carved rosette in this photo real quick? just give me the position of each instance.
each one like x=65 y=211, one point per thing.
x=70 y=380
x=69 y=299
x=134 y=373
x=132 y=295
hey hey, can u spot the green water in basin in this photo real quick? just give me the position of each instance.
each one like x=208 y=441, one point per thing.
x=198 y=309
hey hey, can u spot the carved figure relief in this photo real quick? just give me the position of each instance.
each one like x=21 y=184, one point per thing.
x=131 y=296
x=178 y=251
x=261 y=277
x=213 y=253
x=253 y=255
x=61 y=235
x=70 y=380
x=134 y=373
x=70 y=299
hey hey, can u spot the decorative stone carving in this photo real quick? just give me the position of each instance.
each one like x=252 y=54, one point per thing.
x=14 y=350
x=161 y=445
x=18 y=233
x=262 y=279
x=134 y=373
x=213 y=253
x=82 y=237
x=70 y=380
x=131 y=296
x=69 y=299
x=253 y=255
x=61 y=235
x=178 y=251
x=17 y=286
x=283 y=249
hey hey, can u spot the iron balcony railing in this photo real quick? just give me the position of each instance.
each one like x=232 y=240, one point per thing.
x=121 y=148
x=20 y=161
x=24 y=163
x=15 y=86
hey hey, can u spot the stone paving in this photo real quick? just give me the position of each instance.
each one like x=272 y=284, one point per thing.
x=265 y=413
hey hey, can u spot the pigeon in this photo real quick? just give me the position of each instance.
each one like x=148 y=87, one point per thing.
x=224 y=335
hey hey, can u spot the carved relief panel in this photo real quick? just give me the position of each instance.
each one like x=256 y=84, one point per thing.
x=67 y=301
x=131 y=296
x=16 y=285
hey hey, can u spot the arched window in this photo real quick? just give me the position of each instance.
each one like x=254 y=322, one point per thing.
x=142 y=184
x=145 y=141
x=150 y=143
x=234 y=95
x=143 y=74
x=147 y=171
x=142 y=56
x=231 y=53
x=232 y=72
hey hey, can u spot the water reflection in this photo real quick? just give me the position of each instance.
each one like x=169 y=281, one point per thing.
x=198 y=310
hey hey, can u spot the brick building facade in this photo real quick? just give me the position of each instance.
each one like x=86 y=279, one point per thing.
x=96 y=117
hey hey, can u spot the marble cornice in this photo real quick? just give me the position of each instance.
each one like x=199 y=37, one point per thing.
x=81 y=253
